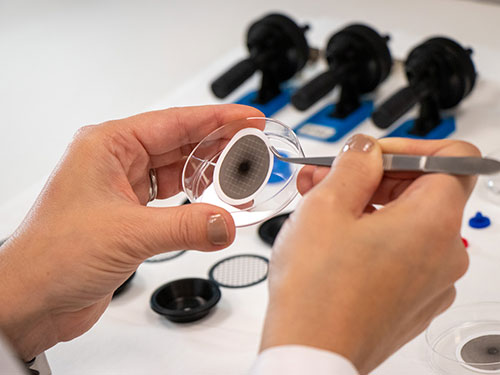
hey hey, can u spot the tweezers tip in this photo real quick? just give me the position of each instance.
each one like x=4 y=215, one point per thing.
x=275 y=152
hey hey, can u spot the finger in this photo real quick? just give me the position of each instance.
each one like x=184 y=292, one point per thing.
x=390 y=189
x=166 y=130
x=309 y=176
x=169 y=166
x=369 y=209
x=195 y=226
x=170 y=179
x=394 y=184
x=433 y=148
x=354 y=176
x=169 y=182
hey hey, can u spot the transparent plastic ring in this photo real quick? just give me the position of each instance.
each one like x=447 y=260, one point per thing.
x=274 y=191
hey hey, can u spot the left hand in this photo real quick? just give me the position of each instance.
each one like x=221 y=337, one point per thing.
x=89 y=229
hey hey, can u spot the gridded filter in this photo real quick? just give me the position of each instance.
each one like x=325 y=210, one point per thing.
x=240 y=271
x=165 y=256
x=481 y=352
x=244 y=167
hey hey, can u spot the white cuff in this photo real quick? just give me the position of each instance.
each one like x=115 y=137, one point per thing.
x=39 y=365
x=300 y=360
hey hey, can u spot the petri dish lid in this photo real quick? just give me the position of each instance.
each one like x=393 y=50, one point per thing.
x=466 y=340
x=233 y=168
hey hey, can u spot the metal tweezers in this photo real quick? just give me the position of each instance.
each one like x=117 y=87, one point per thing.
x=415 y=163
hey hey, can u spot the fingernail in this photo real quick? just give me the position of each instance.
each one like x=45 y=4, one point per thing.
x=358 y=142
x=217 y=230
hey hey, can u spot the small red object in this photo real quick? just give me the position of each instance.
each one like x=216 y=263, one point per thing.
x=466 y=243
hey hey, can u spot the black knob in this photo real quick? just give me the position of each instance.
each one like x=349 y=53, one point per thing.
x=233 y=78
x=440 y=75
x=359 y=60
x=314 y=90
x=395 y=107
x=277 y=47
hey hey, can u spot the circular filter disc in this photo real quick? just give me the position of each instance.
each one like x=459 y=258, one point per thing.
x=240 y=271
x=481 y=353
x=244 y=167
x=165 y=256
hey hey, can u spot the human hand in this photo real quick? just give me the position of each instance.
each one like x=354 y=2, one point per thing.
x=89 y=229
x=361 y=282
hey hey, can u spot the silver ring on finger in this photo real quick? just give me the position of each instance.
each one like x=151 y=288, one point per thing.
x=153 y=187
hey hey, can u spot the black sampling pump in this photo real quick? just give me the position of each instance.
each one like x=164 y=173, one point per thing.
x=440 y=74
x=277 y=47
x=358 y=59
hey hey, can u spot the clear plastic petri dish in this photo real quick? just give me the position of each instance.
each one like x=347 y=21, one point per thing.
x=278 y=188
x=465 y=340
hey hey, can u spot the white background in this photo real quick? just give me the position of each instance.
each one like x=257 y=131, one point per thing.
x=64 y=64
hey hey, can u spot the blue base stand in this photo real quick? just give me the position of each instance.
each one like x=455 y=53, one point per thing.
x=321 y=126
x=444 y=129
x=272 y=106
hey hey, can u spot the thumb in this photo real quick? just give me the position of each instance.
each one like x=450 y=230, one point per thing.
x=354 y=176
x=196 y=226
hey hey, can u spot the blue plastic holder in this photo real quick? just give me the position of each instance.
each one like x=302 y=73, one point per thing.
x=443 y=130
x=321 y=126
x=272 y=106
x=479 y=221
x=281 y=170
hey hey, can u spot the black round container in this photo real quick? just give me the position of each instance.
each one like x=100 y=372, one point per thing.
x=185 y=300
x=269 y=229
x=124 y=286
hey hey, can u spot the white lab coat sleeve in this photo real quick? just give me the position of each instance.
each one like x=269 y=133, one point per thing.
x=300 y=360
x=11 y=365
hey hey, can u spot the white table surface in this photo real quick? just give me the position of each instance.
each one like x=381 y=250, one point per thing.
x=67 y=64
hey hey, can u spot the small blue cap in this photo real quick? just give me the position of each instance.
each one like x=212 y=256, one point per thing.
x=479 y=221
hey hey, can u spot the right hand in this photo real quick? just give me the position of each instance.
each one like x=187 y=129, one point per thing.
x=362 y=282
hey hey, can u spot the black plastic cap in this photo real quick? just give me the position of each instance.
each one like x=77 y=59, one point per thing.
x=185 y=300
x=124 y=286
x=269 y=229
